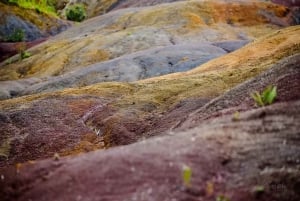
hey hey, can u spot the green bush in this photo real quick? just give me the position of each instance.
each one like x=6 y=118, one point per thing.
x=17 y=35
x=76 y=13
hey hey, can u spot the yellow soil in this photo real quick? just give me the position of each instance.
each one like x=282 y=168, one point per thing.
x=131 y=100
x=187 y=18
x=208 y=80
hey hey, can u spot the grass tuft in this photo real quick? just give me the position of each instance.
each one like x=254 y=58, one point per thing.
x=267 y=97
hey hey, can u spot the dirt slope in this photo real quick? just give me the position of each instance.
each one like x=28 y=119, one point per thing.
x=134 y=29
x=122 y=113
x=35 y=25
x=99 y=7
x=288 y=2
x=231 y=158
x=132 y=140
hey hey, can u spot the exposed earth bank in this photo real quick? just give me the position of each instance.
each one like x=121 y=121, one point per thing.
x=94 y=113
x=150 y=41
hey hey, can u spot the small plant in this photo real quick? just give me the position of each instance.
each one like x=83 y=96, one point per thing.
x=76 y=13
x=8 y=61
x=222 y=198
x=25 y=55
x=267 y=97
x=56 y=157
x=22 y=51
x=38 y=11
x=17 y=35
x=258 y=191
x=236 y=116
x=186 y=175
x=210 y=188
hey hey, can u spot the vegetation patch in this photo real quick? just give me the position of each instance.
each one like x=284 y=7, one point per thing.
x=24 y=55
x=22 y=51
x=40 y=6
x=186 y=175
x=76 y=13
x=17 y=35
x=267 y=97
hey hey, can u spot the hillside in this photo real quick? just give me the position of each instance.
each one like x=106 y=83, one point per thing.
x=152 y=41
x=118 y=106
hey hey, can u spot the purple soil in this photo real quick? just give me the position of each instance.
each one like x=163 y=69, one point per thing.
x=285 y=75
x=9 y=49
x=289 y=3
x=222 y=153
x=228 y=156
x=61 y=128
x=47 y=127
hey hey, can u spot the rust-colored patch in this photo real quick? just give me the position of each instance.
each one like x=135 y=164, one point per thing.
x=232 y=13
x=81 y=106
x=193 y=20
x=89 y=142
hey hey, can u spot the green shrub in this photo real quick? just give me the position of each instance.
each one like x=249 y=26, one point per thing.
x=51 y=2
x=267 y=97
x=38 y=11
x=17 y=35
x=76 y=13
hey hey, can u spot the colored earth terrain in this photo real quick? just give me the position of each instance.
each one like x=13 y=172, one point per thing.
x=151 y=100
